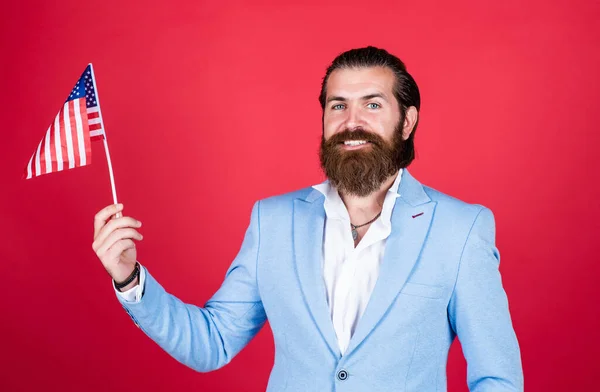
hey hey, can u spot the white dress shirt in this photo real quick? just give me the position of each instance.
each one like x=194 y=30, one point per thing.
x=349 y=273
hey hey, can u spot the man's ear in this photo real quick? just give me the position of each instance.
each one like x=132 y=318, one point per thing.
x=410 y=119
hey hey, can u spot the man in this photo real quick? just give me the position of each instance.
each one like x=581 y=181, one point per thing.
x=366 y=279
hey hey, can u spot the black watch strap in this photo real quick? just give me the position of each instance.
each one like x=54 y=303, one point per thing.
x=130 y=278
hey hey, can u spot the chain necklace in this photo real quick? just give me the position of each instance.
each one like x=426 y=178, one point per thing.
x=354 y=227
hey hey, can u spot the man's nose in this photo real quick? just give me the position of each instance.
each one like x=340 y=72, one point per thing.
x=353 y=118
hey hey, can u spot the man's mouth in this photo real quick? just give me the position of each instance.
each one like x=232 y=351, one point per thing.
x=354 y=144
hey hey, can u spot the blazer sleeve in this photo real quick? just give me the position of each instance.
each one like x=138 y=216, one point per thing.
x=479 y=314
x=206 y=338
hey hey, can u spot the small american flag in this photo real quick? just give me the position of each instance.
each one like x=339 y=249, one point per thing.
x=68 y=139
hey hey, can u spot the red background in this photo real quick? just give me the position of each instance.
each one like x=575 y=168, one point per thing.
x=211 y=106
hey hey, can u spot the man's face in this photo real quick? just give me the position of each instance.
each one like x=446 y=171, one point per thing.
x=362 y=132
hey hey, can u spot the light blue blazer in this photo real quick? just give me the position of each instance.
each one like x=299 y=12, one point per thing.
x=439 y=280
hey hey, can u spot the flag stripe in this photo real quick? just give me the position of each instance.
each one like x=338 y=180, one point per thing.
x=29 y=174
x=52 y=147
x=47 y=156
x=74 y=134
x=58 y=145
x=63 y=138
x=85 y=131
x=76 y=123
x=38 y=170
x=66 y=123
x=95 y=123
x=43 y=154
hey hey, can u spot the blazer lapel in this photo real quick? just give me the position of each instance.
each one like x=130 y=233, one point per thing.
x=411 y=219
x=309 y=222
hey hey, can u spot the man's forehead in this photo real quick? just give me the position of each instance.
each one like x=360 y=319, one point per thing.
x=361 y=81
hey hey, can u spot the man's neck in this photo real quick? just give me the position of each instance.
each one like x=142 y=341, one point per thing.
x=365 y=208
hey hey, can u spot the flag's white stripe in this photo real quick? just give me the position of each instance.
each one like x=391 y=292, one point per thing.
x=57 y=143
x=93 y=109
x=97 y=132
x=69 y=136
x=94 y=121
x=82 y=157
x=47 y=156
x=38 y=168
x=29 y=167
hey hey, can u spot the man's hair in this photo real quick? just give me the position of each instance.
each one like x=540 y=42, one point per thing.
x=405 y=88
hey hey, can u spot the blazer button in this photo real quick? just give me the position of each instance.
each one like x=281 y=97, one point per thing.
x=342 y=375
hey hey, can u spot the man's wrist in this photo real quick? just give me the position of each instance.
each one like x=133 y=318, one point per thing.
x=130 y=281
x=131 y=285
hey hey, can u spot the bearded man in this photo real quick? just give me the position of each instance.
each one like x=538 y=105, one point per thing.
x=366 y=279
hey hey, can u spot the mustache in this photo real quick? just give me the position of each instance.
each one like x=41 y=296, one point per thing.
x=356 y=134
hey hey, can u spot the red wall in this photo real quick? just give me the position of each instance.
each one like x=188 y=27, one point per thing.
x=209 y=107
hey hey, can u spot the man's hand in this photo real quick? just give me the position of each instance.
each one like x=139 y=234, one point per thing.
x=113 y=242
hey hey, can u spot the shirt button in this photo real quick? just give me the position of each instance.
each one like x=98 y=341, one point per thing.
x=342 y=375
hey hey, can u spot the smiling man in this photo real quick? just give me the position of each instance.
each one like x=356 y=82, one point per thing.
x=366 y=279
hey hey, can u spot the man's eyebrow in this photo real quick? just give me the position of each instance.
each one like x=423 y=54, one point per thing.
x=334 y=98
x=364 y=98
x=371 y=96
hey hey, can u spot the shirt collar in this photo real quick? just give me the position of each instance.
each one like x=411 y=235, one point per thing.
x=335 y=208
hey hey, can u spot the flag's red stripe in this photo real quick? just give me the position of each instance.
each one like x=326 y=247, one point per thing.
x=63 y=140
x=86 y=131
x=53 y=149
x=95 y=127
x=43 y=156
x=93 y=114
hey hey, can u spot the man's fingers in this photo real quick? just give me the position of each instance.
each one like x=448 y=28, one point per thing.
x=115 y=251
x=103 y=215
x=116 y=236
x=113 y=225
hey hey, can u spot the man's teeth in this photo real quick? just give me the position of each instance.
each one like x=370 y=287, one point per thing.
x=354 y=142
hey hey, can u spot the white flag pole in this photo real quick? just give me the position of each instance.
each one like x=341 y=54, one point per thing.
x=110 y=170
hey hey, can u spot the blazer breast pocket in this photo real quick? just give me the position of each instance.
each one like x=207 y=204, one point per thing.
x=422 y=290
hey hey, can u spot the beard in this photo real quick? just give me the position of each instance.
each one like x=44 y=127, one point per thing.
x=361 y=172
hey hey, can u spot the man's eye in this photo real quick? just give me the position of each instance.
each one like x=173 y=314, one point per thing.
x=373 y=105
x=337 y=107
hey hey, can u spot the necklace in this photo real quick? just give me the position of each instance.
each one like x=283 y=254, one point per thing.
x=354 y=227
